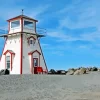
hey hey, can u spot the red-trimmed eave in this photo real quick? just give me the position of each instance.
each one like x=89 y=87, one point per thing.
x=31 y=53
x=31 y=37
x=20 y=17
x=9 y=52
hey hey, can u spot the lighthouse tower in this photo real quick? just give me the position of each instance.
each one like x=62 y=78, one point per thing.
x=22 y=53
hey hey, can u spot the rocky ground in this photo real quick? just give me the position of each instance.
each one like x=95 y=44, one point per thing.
x=50 y=87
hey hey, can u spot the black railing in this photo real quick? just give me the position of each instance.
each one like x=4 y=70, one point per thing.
x=41 y=31
x=3 y=31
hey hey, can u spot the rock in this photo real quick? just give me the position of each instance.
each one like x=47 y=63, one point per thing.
x=98 y=69
x=62 y=72
x=94 y=69
x=87 y=70
x=70 y=72
x=49 y=72
x=83 y=71
x=77 y=72
x=80 y=71
x=52 y=71
x=4 y=72
x=90 y=69
x=58 y=72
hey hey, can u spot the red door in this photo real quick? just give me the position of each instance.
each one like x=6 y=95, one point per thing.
x=35 y=65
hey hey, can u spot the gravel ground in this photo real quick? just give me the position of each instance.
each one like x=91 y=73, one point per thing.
x=50 y=87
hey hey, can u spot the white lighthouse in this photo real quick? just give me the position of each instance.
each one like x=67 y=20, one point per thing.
x=22 y=53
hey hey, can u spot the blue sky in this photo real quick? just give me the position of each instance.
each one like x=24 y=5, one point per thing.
x=73 y=29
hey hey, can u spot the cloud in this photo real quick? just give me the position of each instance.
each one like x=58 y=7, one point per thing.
x=82 y=15
x=81 y=18
x=36 y=12
x=58 y=53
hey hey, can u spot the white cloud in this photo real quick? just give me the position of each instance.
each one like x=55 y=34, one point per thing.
x=59 y=53
x=86 y=14
x=35 y=12
x=83 y=47
x=79 y=14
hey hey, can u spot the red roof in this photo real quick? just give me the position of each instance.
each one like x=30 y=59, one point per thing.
x=30 y=53
x=10 y=51
x=21 y=16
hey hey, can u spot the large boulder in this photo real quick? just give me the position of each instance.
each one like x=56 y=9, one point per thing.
x=49 y=72
x=94 y=69
x=4 y=72
x=88 y=69
x=77 y=72
x=70 y=72
x=99 y=70
x=62 y=72
x=80 y=71
x=83 y=71
x=52 y=71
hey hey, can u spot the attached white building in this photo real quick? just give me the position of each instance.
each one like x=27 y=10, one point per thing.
x=22 y=53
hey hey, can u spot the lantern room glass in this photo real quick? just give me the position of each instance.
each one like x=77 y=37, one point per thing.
x=15 y=24
x=28 y=24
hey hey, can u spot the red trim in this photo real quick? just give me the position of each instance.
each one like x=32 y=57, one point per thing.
x=21 y=47
x=31 y=64
x=20 y=17
x=13 y=19
x=30 y=53
x=11 y=55
x=9 y=52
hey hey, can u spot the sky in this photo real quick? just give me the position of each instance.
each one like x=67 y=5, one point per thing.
x=73 y=29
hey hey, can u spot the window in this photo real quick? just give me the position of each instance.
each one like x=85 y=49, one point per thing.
x=35 y=60
x=8 y=62
x=29 y=24
x=15 y=24
x=31 y=41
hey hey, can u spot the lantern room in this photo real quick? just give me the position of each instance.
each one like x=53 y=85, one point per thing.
x=22 y=23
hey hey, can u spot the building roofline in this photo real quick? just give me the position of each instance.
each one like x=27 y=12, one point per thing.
x=22 y=16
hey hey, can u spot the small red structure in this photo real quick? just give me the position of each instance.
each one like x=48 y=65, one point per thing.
x=38 y=70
